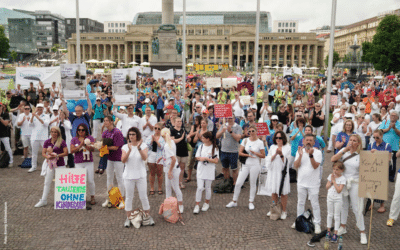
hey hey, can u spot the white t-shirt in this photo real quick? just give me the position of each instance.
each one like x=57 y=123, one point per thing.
x=307 y=176
x=351 y=165
x=346 y=93
x=135 y=167
x=206 y=171
x=373 y=126
x=238 y=111
x=376 y=108
x=254 y=146
x=25 y=128
x=153 y=121
x=168 y=153
x=397 y=104
x=332 y=192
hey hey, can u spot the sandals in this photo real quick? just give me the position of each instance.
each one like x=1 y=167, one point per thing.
x=188 y=180
x=390 y=222
x=92 y=201
x=101 y=171
x=181 y=186
x=97 y=171
x=160 y=192
x=152 y=192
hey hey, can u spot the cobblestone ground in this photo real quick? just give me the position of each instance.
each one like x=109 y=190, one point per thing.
x=218 y=228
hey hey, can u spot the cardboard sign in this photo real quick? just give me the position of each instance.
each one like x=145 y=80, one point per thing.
x=98 y=71
x=214 y=82
x=179 y=72
x=223 y=110
x=70 y=188
x=262 y=129
x=4 y=84
x=229 y=82
x=225 y=73
x=124 y=86
x=245 y=99
x=266 y=77
x=73 y=81
x=374 y=172
x=334 y=100
x=287 y=72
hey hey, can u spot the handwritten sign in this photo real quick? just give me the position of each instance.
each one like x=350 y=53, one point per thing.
x=266 y=77
x=245 y=99
x=70 y=188
x=334 y=100
x=223 y=110
x=229 y=82
x=374 y=172
x=214 y=82
x=98 y=71
x=262 y=129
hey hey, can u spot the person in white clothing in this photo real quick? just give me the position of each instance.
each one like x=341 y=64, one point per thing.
x=171 y=168
x=237 y=106
x=148 y=121
x=134 y=155
x=26 y=131
x=255 y=151
x=307 y=162
x=207 y=156
x=128 y=120
x=40 y=132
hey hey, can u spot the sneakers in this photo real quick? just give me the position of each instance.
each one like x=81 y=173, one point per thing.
x=181 y=209
x=147 y=220
x=205 y=207
x=41 y=203
x=293 y=225
x=105 y=204
x=251 y=206
x=196 y=209
x=31 y=170
x=334 y=238
x=127 y=223
x=269 y=214
x=317 y=229
x=363 y=239
x=11 y=165
x=121 y=205
x=283 y=215
x=231 y=204
x=341 y=231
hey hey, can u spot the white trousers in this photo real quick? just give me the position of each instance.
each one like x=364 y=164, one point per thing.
x=318 y=130
x=173 y=184
x=116 y=167
x=96 y=127
x=312 y=193
x=90 y=175
x=141 y=185
x=355 y=203
x=7 y=146
x=243 y=173
x=48 y=179
x=200 y=189
x=334 y=206
x=186 y=116
x=395 y=206
x=37 y=145
x=331 y=143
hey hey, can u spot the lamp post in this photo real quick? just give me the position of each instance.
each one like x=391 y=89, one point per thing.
x=78 y=35
x=256 y=49
x=184 y=48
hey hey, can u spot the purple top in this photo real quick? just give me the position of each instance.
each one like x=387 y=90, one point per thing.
x=79 y=155
x=57 y=150
x=118 y=140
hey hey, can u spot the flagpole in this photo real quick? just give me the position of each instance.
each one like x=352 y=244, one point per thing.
x=184 y=48
x=78 y=35
x=256 y=49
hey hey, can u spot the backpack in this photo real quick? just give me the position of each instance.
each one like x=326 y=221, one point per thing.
x=224 y=186
x=170 y=211
x=4 y=159
x=304 y=222
x=27 y=163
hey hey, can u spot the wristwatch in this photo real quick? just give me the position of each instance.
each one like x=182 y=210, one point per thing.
x=231 y=132
x=311 y=156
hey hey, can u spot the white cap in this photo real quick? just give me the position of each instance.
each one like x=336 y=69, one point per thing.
x=348 y=115
x=39 y=105
x=122 y=107
x=147 y=100
x=55 y=107
x=274 y=117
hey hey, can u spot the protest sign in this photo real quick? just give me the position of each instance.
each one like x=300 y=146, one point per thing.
x=99 y=71
x=70 y=188
x=167 y=75
x=124 y=86
x=334 y=100
x=214 y=82
x=287 y=72
x=262 y=129
x=229 y=82
x=4 y=84
x=223 y=110
x=297 y=71
x=146 y=70
x=226 y=73
x=266 y=77
x=178 y=72
x=47 y=75
x=245 y=99
x=73 y=81
x=374 y=172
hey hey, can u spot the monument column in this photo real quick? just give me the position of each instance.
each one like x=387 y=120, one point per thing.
x=167 y=12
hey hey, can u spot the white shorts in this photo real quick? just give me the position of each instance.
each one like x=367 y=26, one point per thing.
x=152 y=157
x=26 y=140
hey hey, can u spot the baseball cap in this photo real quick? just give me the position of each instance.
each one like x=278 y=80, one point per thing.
x=147 y=100
x=274 y=117
x=55 y=107
x=39 y=105
x=205 y=111
x=98 y=98
x=172 y=98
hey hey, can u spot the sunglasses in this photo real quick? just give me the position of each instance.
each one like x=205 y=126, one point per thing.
x=97 y=100
x=81 y=130
x=274 y=120
x=280 y=138
x=252 y=131
x=131 y=134
x=362 y=109
x=377 y=138
x=157 y=128
x=27 y=109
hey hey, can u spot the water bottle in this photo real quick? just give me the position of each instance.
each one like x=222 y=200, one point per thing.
x=327 y=239
x=340 y=246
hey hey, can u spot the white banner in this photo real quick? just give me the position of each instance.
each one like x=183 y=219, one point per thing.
x=47 y=75
x=266 y=77
x=229 y=82
x=297 y=71
x=245 y=99
x=167 y=75
x=4 y=84
x=214 y=82
x=178 y=72
x=124 y=86
x=287 y=72
x=73 y=81
x=147 y=70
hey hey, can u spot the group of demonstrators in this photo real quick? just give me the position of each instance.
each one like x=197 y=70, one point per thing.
x=170 y=132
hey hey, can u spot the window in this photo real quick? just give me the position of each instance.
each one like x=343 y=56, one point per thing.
x=68 y=21
x=294 y=24
x=226 y=32
x=198 y=32
x=109 y=31
x=219 y=32
x=123 y=25
x=279 y=25
x=116 y=25
x=286 y=30
x=205 y=32
x=112 y=25
x=108 y=25
x=294 y=30
x=286 y=24
x=191 y=32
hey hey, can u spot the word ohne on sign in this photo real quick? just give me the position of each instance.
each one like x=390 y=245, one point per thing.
x=223 y=110
x=70 y=188
x=262 y=129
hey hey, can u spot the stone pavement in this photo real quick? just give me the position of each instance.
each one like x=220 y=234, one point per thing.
x=218 y=228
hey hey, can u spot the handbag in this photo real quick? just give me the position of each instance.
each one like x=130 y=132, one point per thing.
x=276 y=210
x=243 y=159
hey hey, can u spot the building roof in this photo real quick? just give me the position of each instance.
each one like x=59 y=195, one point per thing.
x=366 y=21
x=7 y=13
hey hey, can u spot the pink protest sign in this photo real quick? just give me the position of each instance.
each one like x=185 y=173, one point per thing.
x=223 y=110
x=262 y=129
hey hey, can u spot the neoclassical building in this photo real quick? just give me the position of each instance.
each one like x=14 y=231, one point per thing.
x=212 y=42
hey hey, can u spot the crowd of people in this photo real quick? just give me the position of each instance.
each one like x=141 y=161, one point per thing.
x=172 y=130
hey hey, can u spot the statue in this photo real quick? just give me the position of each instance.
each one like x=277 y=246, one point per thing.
x=155 y=46
x=179 y=46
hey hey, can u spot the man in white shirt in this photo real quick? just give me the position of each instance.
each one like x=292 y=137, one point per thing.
x=148 y=121
x=40 y=132
x=128 y=120
x=307 y=163
x=26 y=130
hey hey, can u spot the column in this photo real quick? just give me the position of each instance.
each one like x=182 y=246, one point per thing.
x=150 y=49
x=230 y=54
x=308 y=56
x=73 y=51
x=238 y=54
x=104 y=51
x=141 y=52
x=247 y=52
x=315 y=56
x=119 y=53
x=201 y=53
x=91 y=51
x=208 y=53
x=262 y=55
x=300 y=56
x=126 y=53
x=292 y=55
x=194 y=53
x=285 y=55
x=215 y=53
x=83 y=53
x=222 y=55
x=112 y=52
x=270 y=55
x=69 y=53
x=133 y=52
x=97 y=52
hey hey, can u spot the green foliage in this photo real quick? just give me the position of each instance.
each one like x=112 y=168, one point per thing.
x=4 y=43
x=347 y=58
x=56 y=47
x=14 y=55
x=336 y=59
x=384 y=50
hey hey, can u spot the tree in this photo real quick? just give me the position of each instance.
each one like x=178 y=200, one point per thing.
x=14 y=55
x=56 y=47
x=336 y=59
x=384 y=50
x=347 y=57
x=4 y=43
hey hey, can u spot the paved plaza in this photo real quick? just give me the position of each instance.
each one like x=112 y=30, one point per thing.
x=218 y=228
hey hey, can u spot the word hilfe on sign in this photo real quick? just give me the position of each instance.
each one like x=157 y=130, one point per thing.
x=73 y=178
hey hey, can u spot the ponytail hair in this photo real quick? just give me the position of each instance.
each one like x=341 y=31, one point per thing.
x=166 y=134
x=209 y=135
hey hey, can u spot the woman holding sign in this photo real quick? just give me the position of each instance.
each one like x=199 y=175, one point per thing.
x=60 y=149
x=350 y=156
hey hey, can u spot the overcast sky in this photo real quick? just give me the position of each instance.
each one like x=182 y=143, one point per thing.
x=310 y=13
